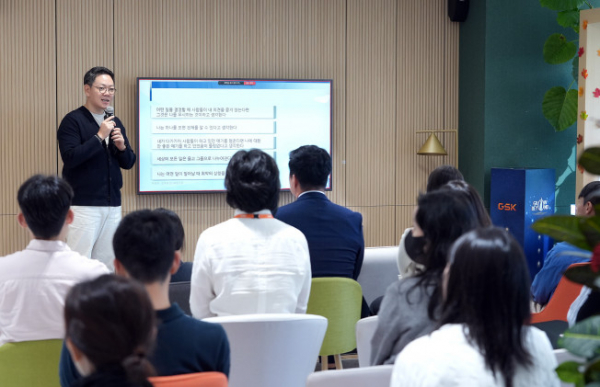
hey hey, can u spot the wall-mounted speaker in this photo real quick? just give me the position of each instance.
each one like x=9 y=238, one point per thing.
x=458 y=10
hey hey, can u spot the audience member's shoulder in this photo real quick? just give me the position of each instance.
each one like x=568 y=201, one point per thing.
x=205 y=329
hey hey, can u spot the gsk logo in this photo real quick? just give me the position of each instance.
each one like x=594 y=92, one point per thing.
x=507 y=207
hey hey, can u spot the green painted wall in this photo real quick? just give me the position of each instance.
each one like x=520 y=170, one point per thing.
x=503 y=78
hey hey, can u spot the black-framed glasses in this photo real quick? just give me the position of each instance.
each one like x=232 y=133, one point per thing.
x=103 y=89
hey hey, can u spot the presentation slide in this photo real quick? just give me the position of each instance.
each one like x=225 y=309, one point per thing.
x=188 y=129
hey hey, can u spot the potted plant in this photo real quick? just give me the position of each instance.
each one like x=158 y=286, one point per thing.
x=583 y=339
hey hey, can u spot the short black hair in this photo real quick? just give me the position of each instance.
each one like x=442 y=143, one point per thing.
x=252 y=181
x=144 y=244
x=45 y=202
x=90 y=76
x=311 y=165
x=441 y=176
x=178 y=231
x=591 y=193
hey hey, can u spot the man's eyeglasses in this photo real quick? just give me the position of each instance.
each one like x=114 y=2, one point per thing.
x=109 y=90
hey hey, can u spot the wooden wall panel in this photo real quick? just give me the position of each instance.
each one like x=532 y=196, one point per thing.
x=427 y=93
x=27 y=104
x=394 y=64
x=371 y=103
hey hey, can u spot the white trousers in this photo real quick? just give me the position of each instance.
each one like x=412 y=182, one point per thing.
x=92 y=231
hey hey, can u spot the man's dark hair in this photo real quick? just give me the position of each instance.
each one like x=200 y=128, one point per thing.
x=45 y=202
x=252 y=181
x=441 y=176
x=144 y=244
x=591 y=193
x=178 y=231
x=311 y=165
x=90 y=76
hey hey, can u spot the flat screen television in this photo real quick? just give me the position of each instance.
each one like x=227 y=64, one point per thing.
x=188 y=129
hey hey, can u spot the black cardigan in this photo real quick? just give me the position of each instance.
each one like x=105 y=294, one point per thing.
x=92 y=169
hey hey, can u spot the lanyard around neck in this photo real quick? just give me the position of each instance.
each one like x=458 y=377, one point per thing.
x=254 y=216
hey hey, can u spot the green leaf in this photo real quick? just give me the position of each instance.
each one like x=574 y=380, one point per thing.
x=575 y=69
x=569 y=372
x=560 y=107
x=563 y=228
x=558 y=49
x=583 y=339
x=590 y=227
x=583 y=275
x=590 y=160
x=592 y=372
x=568 y=19
x=561 y=5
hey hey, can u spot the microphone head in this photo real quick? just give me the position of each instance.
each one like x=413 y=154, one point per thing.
x=109 y=111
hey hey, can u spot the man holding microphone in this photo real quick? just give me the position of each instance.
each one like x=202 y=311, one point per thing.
x=94 y=147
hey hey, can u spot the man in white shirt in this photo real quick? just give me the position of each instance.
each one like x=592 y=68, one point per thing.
x=34 y=282
x=252 y=263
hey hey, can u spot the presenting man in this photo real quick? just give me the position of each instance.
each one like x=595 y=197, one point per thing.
x=94 y=148
x=563 y=254
x=334 y=233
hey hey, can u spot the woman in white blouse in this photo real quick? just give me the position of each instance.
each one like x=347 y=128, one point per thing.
x=482 y=339
x=251 y=263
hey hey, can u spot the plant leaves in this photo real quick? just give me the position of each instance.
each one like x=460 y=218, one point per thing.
x=560 y=107
x=569 y=372
x=590 y=227
x=583 y=339
x=561 y=5
x=558 y=49
x=582 y=275
x=590 y=160
x=569 y=19
x=563 y=228
x=575 y=69
x=592 y=372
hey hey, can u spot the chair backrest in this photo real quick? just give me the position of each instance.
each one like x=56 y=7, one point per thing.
x=566 y=292
x=365 y=328
x=30 y=363
x=379 y=270
x=179 y=292
x=272 y=350
x=339 y=300
x=378 y=376
x=184 y=274
x=197 y=379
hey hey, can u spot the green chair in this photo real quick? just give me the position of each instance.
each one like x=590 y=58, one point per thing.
x=30 y=363
x=339 y=300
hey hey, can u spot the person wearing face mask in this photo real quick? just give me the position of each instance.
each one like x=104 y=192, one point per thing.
x=409 y=247
x=110 y=331
x=410 y=306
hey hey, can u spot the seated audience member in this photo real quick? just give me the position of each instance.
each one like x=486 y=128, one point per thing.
x=437 y=178
x=184 y=272
x=144 y=250
x=563 y=254
x=482 y=339
x=252 y=263
x=334 y=233
x=35 y=281
x=474 y=198
x=110 y=331
x=410 y=305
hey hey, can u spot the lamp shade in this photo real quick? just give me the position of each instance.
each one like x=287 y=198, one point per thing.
x=432 y=147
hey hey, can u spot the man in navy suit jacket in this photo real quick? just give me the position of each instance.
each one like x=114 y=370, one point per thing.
x=334 y=233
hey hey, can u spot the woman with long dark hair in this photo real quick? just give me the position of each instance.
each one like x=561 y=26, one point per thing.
x=482 y=337
x=410 y=305
x=110 y=330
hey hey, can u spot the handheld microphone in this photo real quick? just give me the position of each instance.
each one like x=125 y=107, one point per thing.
x=109 y=112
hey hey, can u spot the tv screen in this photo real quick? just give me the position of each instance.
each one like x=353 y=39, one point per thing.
x=188 y=129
